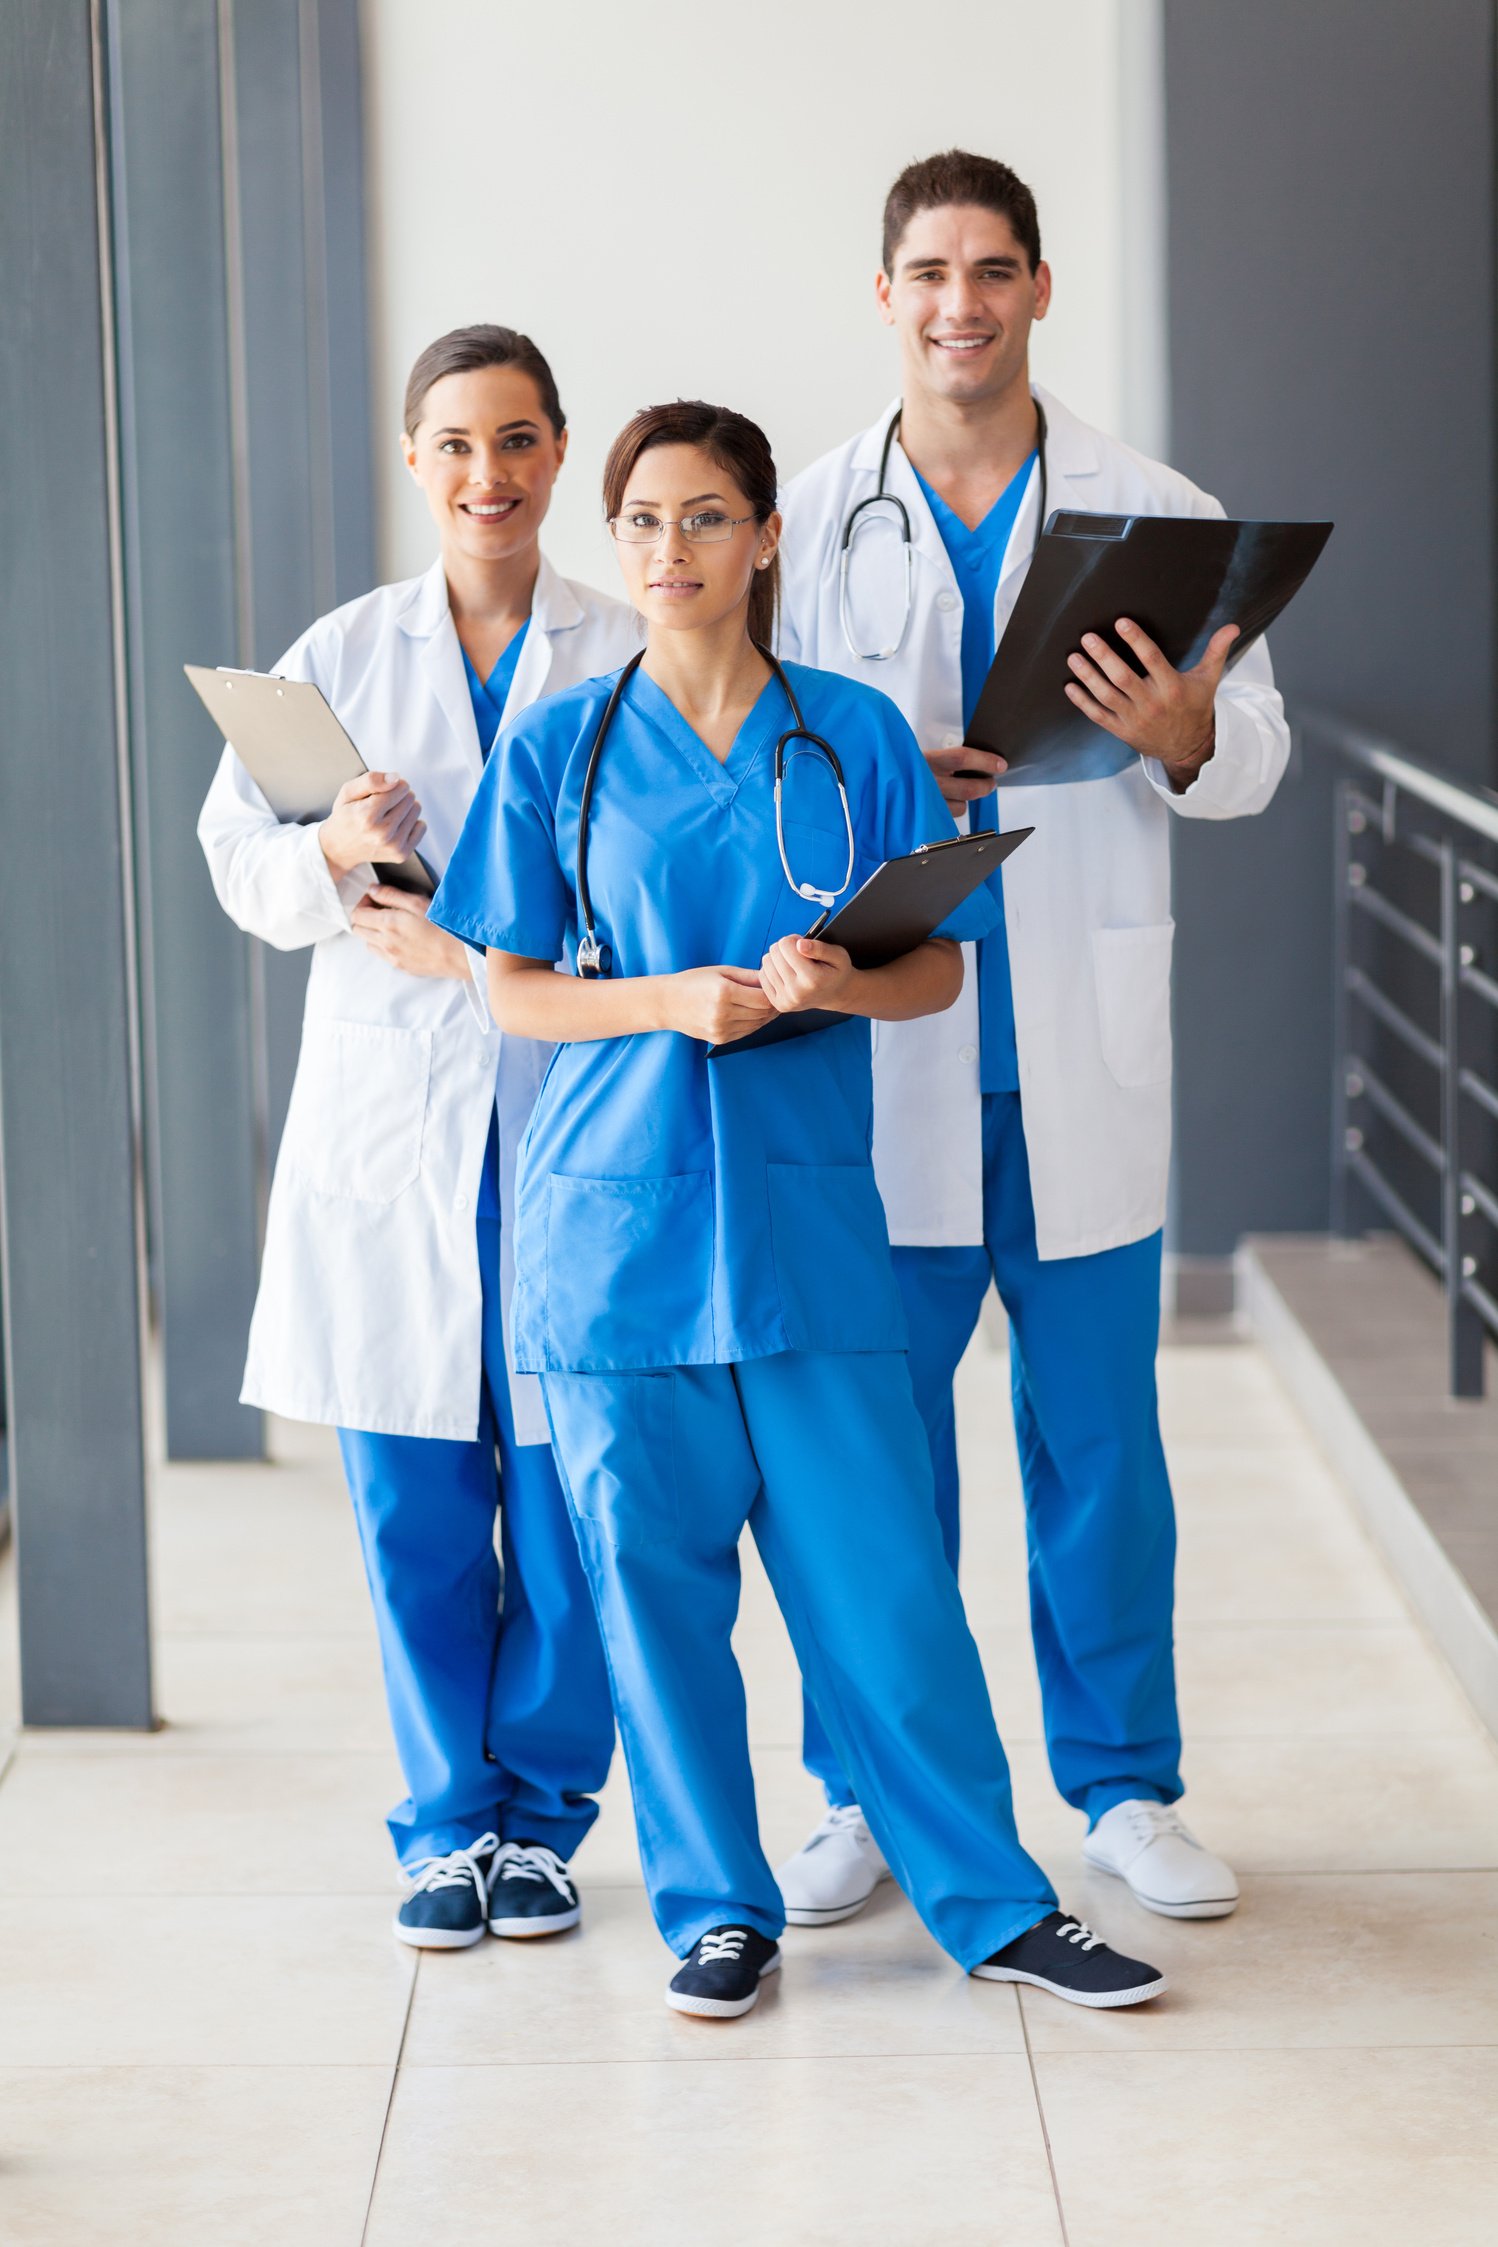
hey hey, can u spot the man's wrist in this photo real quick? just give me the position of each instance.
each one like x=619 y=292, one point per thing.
x=1181 y=771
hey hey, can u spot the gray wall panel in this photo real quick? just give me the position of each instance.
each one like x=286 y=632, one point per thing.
x=71 y=1234
x=1330 y=202
x=176 y=436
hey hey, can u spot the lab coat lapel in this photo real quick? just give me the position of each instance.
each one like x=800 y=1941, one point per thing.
x=429 y=620
x=1071 y=476
x=554 y=609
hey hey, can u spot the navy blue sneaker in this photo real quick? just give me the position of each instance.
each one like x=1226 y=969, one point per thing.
x=531 y=1891
x=446 y=1906
x=721 y=1973
x=1064 y=1956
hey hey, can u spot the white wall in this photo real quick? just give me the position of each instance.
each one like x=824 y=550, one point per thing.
x=687 y=204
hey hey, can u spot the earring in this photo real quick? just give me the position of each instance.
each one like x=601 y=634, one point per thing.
x=763 y=562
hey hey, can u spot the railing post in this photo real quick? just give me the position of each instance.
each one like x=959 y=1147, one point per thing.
x=1465 y=1337
x=1341 y=916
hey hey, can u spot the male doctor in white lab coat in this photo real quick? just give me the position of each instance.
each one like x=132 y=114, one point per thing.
x=1024 y=1136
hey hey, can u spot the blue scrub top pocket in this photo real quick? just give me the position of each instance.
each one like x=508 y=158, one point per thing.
x=832 y=1258
x=629 y=1266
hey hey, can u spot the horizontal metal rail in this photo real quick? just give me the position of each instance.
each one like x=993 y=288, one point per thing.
x=1393 y=814
x=1484 y=1095
x=1394 y=1018
x=1394 y=1205
x=1368 y=900
x=1480 y=1198
x=1370 y=1086
x=1475 y=809
x=1485 y=1305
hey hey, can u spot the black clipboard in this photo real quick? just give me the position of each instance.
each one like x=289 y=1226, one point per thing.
x=902 y=903
x=1180 y=577
x=284 y=733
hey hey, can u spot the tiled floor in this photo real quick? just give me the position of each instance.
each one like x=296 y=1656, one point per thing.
x=206 y=2034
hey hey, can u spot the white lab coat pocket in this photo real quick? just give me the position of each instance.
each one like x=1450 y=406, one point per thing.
x=358 y=1109
x=1131 y=967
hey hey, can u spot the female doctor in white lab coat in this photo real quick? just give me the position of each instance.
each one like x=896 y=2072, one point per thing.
x=384 y=1290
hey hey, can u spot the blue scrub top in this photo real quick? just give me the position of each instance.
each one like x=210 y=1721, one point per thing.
x=673 y=1210
x=977 y=557
x=489 y=697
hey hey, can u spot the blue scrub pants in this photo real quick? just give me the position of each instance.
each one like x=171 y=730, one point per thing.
x=1099 y=1514
x=824 y=1457
x=500 y=1710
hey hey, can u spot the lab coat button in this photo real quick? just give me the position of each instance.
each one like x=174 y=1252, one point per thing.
x=460 y=1201
x=946 y=602
x=967 y=1053
x=952 y=741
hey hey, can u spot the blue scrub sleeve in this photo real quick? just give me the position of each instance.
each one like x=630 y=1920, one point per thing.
x=504 y=887
x=912 y=812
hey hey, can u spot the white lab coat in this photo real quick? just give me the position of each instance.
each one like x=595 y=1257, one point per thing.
x=369 y=1313
x=1087 y=898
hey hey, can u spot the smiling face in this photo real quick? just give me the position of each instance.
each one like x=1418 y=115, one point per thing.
x=486 y=456
x=962 y=298
x=675 y=579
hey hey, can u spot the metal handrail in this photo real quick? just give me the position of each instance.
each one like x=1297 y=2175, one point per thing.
x=1473 y=808
x=1433 y=819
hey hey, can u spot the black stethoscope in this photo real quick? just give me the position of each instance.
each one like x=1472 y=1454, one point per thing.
x=883 y=498
x=595 y=959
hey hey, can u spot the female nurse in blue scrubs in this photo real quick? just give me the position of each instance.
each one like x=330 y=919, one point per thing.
x=704 y=1278
x=382 y=1291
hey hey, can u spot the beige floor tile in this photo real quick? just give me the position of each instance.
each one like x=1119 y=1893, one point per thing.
x=251 y=1696
x=180 y=1825
x=1297 y=2149
x=185 y=2157
x=1306 y=1962
x=1315 y=1567
x=791 y=2153
x=257 y=1550
x=875 y=1985
x=1250 y=1680
x=1308 y=1805
x=116 y=1980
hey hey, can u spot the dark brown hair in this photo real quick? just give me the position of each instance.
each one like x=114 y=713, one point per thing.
x=957 y=177
x=738 y=445
x=462 y=350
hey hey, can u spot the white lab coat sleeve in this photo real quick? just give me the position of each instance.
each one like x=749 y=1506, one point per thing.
x=272 y=880
x=800 y=559
x=1253 y=740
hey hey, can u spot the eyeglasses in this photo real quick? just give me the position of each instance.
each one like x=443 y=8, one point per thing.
x=640 y=528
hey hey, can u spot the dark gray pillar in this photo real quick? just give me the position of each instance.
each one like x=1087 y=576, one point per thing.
x=177 y=453
x=1330 y=218
x=72 y=1246
x=300 y=369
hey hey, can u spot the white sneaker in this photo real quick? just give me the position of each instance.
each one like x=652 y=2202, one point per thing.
x=1149 y=1846
x=836 y=1872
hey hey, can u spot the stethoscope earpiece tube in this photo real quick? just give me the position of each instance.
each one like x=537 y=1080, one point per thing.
x=595 y=959
x=882 y=497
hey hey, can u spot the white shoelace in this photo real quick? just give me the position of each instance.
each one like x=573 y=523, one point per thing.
x=846 y=1818
x=537 y=1863
x=1157 y=1821
x=452 y=1871
x=1077 y=1931
x=725 y=1942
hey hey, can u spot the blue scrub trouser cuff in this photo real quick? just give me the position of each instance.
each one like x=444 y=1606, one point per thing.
x=564 y=1836
x=1101 y=1799
x=763 y=1924
x=1028 y=1916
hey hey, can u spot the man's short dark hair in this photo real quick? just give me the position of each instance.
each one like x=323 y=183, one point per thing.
x=957 y=177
